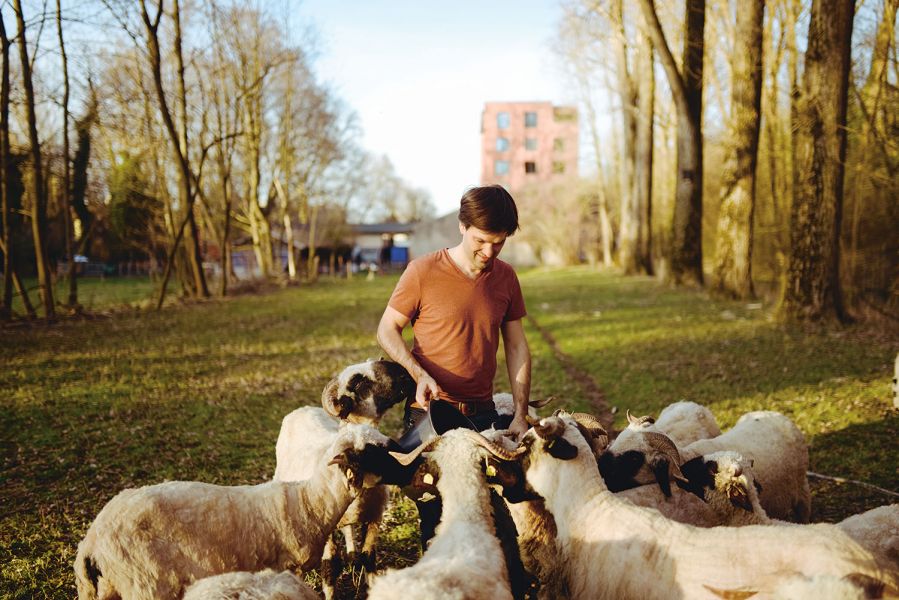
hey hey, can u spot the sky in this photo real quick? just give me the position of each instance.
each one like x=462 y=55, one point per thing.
x=418 y=73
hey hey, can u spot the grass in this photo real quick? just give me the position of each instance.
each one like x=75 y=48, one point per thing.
x=197 y=392
x=95 y=293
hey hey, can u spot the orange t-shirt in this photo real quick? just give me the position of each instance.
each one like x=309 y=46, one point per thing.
x=457 y=319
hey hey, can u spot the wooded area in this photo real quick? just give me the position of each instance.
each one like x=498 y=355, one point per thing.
x=753 y=152
x=769 y=122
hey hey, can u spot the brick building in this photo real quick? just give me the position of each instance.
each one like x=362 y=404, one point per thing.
x=524 y=144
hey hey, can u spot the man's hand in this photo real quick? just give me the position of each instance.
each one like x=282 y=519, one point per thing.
x=426 y=391
x=518 y=426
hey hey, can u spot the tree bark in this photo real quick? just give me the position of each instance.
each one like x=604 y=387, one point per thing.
x=686 y=242
x=628 y=232
x=6 y=307
x=812 y=290
x=643 y=156
x=66 y=178
x=38 y=191
x=733 y=257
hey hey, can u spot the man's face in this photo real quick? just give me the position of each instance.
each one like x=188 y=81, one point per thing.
x=480 y=246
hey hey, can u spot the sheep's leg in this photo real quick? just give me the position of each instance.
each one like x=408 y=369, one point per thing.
x=350 y=545
x=330 y=569
x=369 y=546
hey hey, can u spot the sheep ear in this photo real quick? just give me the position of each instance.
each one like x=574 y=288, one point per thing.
x=739 y=497
x=661 y=468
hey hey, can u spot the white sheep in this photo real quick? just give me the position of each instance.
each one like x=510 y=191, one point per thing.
x=243 y=585
x=685 y=422
x=303 y=442
x=154 y=541
x=779 y=456
x=363 y=392
x=609 y=548
x=464 y=560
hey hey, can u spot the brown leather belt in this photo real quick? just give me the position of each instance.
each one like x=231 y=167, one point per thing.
x=468 y=409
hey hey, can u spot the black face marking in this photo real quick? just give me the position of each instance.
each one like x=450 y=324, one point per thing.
x=504 y=529
x=700 y=476
x=619 y=471
x=392 y=385
x=509 y=476
x=561 y=449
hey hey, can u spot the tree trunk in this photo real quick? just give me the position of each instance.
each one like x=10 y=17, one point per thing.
x=38 y=191
x=6 y=307
x=686 y=242
x=628 y=232
x=187 y=193
x=812 y=289
x=66 y=179
x=643 y=158
x=733 y=257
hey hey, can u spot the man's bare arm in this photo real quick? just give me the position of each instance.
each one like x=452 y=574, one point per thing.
x=518 y=362
x=390 y=337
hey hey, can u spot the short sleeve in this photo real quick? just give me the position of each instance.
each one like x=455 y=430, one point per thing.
x=406 y=296
x=516 y=308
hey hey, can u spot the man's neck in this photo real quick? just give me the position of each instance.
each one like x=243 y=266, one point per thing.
x=457 y=255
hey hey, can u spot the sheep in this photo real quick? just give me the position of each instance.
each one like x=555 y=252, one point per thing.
x=641 y=454
x=505 y=404
x=779 y=455
x=154 y=541
x=685 y=422
x=609 y=548
x=242 y=585
x=303 y=442
x=465 y=559
x=720 y=490
x=363 y=392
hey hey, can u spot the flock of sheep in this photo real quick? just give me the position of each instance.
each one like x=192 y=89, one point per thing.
x=671 y=508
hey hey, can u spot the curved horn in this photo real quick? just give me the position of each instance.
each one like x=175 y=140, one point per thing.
x=639 y=420
x=662 y=444
x=590 y=422
x=494 y=448
x=532 y=421
x=409 y=458
x=549 y=428
x=542 y=403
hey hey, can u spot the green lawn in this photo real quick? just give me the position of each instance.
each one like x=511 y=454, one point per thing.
x=197 y=392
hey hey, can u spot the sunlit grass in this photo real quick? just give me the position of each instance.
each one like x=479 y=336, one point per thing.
x=198 y=392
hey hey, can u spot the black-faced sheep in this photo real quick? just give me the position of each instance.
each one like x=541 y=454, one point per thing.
x=363 y=392
x=154 y=541
x=465 y=559
x=610 y=548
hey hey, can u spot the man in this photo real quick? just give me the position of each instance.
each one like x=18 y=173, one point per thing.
x=459 y=301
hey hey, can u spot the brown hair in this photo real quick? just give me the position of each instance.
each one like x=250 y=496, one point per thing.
x=490 y=208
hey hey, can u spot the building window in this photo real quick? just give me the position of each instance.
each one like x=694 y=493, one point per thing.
x=530 y=167
x=558 y=145
x=502 y=120
x=530 y=143
x=501 y=167
x=530 y=119
x=558 y=167
x=502 y=144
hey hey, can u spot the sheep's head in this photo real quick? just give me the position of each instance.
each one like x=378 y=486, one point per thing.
x=641 y=454
x=723 y=476
x=363 y=392
x=363 y=455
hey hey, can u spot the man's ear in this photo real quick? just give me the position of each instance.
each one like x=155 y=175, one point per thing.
x=462 y=228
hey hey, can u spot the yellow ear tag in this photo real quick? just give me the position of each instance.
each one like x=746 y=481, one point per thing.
x=428 y=478
x=491 y=471
x=551 y=444
x=349 y=474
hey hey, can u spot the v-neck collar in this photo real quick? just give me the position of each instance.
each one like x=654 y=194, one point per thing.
x=480 y=276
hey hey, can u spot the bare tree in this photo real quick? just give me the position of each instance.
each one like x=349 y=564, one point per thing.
x=38 y=191
x=686 y=88
x=733 y=259
x=6 y=307
x=66 y=179
x=812 y=289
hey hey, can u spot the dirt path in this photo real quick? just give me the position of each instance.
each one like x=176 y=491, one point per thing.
x=597 y=398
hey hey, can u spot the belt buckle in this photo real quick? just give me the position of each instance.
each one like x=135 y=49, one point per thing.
x=468 y=408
